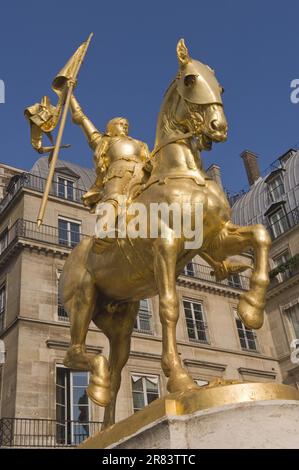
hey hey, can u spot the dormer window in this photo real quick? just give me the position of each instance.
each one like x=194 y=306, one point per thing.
x=278 y=222
x=276 y=188
x=66 y=184
x=65 y=188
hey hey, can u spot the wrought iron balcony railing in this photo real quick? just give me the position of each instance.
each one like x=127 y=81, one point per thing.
x=284 y=224
x=200 y=271
x=28 y=432
x=36 y=183
x=28 y=230
x=284 y=272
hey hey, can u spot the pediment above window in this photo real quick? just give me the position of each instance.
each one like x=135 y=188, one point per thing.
x=274 y=174
x=66 y=172
x=274 y=207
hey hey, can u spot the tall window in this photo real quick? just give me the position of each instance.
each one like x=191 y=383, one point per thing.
x=68 y=232
x=145 y=389
x=143 y=322
x=65 y=188
x=282 y=259
x=278 y=222
x=72 y=406
x=247 y=337
x=196 y=325
x=276 y=188
x=189 y=270
x=293 y=313
x=3 y=240
x=2 y=306
x=234 y=280
x=61 y=312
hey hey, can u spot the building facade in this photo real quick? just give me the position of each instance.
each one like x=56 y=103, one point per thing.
x=45 y=404
x=273 y=200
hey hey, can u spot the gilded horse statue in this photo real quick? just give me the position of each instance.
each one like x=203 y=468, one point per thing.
x=105 y=287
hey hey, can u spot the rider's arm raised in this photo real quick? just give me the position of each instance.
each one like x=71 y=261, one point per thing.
x=92 y=134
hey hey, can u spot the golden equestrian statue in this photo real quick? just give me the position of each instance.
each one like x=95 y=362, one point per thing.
x=106 y=286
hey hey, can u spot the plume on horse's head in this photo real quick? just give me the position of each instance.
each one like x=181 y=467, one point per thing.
x=196 y=82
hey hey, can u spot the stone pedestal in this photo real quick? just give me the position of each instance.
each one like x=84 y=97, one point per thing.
x=238 y=416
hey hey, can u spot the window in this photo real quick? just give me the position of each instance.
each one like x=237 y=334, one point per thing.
x=276 y=188
x=278 y=222
x=68 y=232
x=145 y=389
x=2 y=306
x=143 y=322
x=3 y=240
x=189 y=270
x=61 y=312
x=196 y=325
x=282 y=259
x=247 y=337
x=72 y=406
x=293 y=313
x=234 y=280
x=65 y=188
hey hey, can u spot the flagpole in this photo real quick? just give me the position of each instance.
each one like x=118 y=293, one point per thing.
x=71 y=85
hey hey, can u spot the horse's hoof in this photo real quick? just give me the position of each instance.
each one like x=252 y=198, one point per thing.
x=251 y=312
x=181 y=382
x=99 y=388
x=100 y=395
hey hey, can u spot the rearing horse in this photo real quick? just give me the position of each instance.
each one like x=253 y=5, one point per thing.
x=106 y=287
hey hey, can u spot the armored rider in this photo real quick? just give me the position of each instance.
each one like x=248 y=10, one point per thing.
x=119 y=160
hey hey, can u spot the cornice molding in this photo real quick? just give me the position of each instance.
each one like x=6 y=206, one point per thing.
x=257 y=372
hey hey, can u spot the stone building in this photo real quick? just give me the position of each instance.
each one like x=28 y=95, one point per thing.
x=45 y=404
x=274 y=201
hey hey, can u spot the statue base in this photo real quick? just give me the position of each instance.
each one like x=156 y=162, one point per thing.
x=240 y=415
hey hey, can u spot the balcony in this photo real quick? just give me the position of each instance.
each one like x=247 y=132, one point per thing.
x=202 y=272
x=284 y=271
x=27 y=230
x=285 y=223
x=27 y=432
x=36 y=183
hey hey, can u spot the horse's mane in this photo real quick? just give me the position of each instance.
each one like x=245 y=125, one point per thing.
x=166 y=123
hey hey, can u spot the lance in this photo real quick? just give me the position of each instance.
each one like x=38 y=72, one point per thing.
x=71 y=84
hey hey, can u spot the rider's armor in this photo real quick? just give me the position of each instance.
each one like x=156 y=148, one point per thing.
x=119 y=161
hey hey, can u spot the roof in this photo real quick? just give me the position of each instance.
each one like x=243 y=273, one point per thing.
x=253 y=206
x=85 y=176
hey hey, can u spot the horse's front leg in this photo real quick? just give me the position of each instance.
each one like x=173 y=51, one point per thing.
x=165 y=256
x=233 y=240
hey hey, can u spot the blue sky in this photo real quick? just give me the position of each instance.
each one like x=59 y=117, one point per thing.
x=253 y=46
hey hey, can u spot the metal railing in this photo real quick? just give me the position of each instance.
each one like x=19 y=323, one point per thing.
x=62 y=313
x=283 y=276
x=30 y=432
x=200 y=271
x=27 y=229
x=36 y=183
x=285 y=223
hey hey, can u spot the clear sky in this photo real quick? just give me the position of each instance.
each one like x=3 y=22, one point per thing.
x=252 y=45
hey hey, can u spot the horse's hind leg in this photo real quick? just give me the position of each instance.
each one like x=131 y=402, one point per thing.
x=117 y=326
x=233 y=240
x=80 y=308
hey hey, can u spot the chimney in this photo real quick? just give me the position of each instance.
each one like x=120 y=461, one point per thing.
x=214 y=172
x=251 y=166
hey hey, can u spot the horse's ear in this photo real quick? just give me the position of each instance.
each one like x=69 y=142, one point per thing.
x=182 y=53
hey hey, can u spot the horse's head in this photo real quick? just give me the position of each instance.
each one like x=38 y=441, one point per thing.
x=201 y=110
